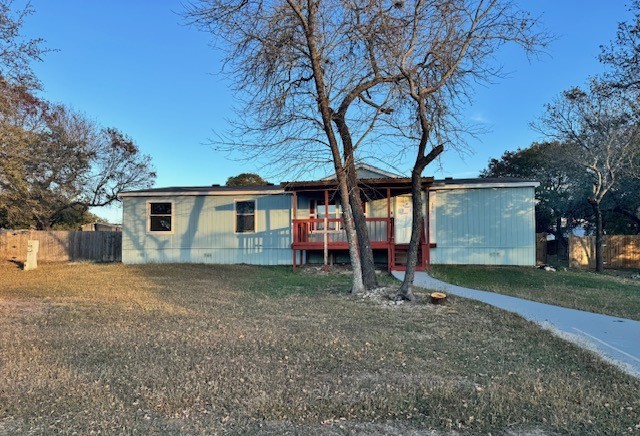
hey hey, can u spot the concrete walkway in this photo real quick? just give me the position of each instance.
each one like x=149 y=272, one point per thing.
x=616 y=339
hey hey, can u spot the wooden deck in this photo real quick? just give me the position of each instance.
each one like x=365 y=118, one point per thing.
x=310 y=234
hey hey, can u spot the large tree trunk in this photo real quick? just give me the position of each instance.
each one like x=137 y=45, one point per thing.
x=326 y=113
x=599 y=244
x=416 y=228
x=350 y=230
x=404 y=293
x=364 y=243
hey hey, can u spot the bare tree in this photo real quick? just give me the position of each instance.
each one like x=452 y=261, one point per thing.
x=330 y=71
x=601 y=126
x=16 y=51
x=623 y=54
x=310 y=72
x=442 y=48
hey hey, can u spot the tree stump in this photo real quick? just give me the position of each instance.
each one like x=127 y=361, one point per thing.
x=438 y=298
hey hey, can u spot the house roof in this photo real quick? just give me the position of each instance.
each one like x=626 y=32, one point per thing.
x=393 y=181
x=483 y=182
x=405 y=182
x=366 y=171
x=204 y=190
x=377 y=183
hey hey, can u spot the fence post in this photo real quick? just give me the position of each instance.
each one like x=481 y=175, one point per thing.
x=32 y=255
x=572 y=260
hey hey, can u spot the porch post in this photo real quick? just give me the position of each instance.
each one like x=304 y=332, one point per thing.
x=326 y=229
x=389 y=230
x=294 y=228
x=427 y=218
x=295 y=205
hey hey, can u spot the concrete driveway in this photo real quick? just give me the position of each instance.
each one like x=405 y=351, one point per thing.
x=615 y=339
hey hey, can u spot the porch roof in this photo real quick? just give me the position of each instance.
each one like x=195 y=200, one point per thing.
x=395 y=183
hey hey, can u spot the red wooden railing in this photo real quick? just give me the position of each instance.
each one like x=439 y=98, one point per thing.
x=309 y=232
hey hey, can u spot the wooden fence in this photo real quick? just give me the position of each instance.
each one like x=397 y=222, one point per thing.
x=60 y=246
x=618 y=251
x=541 y=248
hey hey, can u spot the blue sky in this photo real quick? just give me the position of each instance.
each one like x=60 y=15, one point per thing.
x=133 y=65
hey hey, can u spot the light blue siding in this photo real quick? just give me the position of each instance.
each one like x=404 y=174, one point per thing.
x=204 y=231
x=490 y=226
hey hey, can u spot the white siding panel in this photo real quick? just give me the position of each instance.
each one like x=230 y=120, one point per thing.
x=204 y=231
x=493 y=226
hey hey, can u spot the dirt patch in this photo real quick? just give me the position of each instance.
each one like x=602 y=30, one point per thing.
x=331 y=269
x=384 y=296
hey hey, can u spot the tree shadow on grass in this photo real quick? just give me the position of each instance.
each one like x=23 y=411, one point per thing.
x=19 y=264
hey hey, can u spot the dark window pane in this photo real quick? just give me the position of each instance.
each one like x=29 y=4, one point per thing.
x=161 y=208
x=160 y=223
x=245 y=223
x=245 y=207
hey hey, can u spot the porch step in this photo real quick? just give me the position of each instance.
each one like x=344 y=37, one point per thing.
x=401 y=253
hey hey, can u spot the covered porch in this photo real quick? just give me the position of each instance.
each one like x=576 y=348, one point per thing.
x=318 y=232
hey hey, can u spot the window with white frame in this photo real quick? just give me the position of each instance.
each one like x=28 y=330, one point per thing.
x=160 y=217
x=246 y=216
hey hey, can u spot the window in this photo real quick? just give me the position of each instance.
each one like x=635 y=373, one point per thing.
x=246 y=216
x=160 y=217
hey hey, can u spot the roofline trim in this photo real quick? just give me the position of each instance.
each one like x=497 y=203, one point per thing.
x=437 y=187
x=371 y=168
x=199 y=193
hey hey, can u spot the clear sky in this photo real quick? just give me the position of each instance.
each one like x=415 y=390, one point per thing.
x=134 y=65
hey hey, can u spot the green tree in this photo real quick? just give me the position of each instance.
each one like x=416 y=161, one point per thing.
x=73 y=219
x=246 y=179
x=622 y=55
x=622 y=208
x=56 y=163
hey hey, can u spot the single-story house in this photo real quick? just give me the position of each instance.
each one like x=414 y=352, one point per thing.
x=468 y=221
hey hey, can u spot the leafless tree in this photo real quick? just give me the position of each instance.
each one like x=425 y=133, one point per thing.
x=16 y=51
x=311 y=72
x=344 y=74
x=441 y=49
x=623 y=54
x=601 y=126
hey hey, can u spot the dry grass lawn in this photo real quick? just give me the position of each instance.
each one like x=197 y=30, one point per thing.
x=195 y=349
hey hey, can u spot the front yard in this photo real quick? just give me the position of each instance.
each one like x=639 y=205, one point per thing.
x=609 y=293
x=202 y=349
